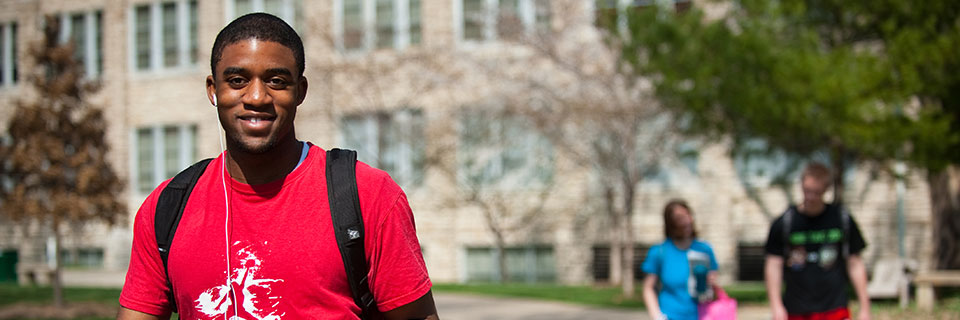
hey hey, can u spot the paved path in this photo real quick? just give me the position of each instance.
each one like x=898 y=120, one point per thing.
x=456 y=306
x=474 y=307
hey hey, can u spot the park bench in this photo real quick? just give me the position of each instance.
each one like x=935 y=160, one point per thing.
x=891 y=279
x=927 y=280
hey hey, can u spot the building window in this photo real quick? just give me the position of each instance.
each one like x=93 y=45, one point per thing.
x=85 y=31
x=612 y=14
x=288 y=10
x=393 y=142
x=488 y=20
x=503 y=151
x=164 y=35
x=82 y=258
x=523 y=264
x=679 y=172
x=759 y=166
x=8 y=54
x=601 y=262
x=369 y=24
x=161 y=152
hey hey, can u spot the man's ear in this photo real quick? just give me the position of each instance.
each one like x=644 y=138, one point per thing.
x=302 y=90
x=211 y=91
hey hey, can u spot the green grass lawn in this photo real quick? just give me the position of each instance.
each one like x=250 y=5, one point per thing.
x=12 y=293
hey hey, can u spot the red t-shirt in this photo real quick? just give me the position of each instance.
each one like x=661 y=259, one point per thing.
x=284 y=259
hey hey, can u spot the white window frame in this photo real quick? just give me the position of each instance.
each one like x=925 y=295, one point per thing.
x=401 y=25
x=526 y=10
x=530 y=273
x=7 y=54
x=498 y=150
x=91 y=54
x=290 y=8
x=405 y=171
x=156 y=37
x=187 y=136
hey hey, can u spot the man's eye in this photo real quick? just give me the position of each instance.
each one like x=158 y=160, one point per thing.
x=277 y=83
x=236 y=81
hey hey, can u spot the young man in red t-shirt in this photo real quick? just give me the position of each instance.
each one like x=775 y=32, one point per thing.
x=256 y=239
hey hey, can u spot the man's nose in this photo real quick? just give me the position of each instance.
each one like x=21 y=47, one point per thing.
x=257 y=94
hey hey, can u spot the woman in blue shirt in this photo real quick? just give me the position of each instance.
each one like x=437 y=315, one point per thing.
x=684 y=265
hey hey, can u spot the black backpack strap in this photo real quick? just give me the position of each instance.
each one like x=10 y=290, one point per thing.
x=170 y=205
x=787 y=224
x=845 y=222
x=348 y=225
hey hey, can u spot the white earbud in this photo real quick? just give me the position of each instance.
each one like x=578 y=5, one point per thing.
x=214 y=100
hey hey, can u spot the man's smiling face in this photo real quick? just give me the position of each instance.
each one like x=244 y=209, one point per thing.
x=258 y=88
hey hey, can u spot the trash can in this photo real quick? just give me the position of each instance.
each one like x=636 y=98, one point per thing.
x=8 y=265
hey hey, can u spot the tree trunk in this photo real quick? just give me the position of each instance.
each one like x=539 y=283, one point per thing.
x=55 y=282
x=616 y=243
x=628 y=280
x=945 y=203
x=501 y=257
x=616 y=257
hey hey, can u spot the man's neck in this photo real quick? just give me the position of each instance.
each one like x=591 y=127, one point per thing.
x=812 y=211
x=260 y=168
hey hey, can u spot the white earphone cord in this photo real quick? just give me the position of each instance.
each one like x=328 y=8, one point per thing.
x=226 y=219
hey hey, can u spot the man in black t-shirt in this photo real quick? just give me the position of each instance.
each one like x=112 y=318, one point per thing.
x=816 y=258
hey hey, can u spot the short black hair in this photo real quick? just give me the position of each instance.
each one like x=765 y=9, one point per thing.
x=260 y=26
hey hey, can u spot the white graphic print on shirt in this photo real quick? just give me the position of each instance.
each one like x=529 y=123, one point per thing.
x=254 y=294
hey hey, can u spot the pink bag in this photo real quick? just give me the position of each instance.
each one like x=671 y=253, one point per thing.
x=723 y=308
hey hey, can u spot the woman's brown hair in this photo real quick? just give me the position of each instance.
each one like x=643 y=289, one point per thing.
x=668 y=223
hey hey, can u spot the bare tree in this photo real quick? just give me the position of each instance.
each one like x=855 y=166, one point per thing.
x=564 y=81
x=569 y=82
x=54 y=159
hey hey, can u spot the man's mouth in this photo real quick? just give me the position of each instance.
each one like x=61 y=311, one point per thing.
x=257 y=122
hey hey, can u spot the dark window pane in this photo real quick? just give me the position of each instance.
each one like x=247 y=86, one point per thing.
x=509 y=23
x=78 y=35
x=142 y=14
x=385 y=23
x=415 y=25
x=145 y=163
x=473 y=17
x=171 y=151
x=3 y=59
x=194 y=49
x=542 y=15
x=98 y=33
x=171 y=57
x=352 y=24
x=13 y=50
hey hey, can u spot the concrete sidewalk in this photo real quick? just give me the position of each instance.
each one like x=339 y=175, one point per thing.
x=456 y=306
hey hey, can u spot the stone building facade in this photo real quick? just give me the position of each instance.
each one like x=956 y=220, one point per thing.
x=389 y=78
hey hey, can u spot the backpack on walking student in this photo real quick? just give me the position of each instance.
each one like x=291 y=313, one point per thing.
x=344 y=210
